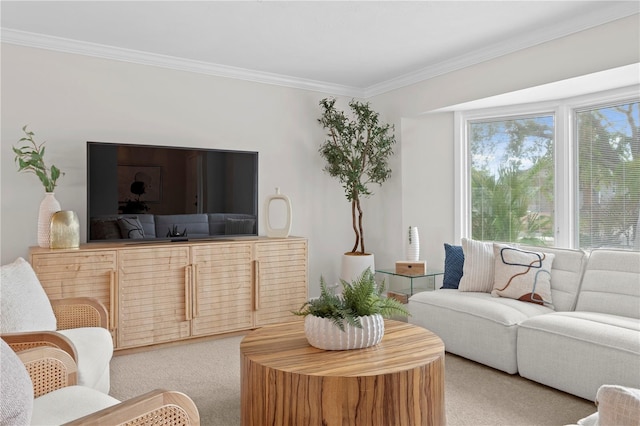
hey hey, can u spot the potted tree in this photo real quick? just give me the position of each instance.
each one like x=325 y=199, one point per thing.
x=356 y=151
x=351 y=320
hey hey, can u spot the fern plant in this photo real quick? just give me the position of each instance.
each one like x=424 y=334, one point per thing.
x=360 y=298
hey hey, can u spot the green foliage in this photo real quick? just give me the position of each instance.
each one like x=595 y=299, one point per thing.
x=360 y=298
x=356 y=151
x=30 y=159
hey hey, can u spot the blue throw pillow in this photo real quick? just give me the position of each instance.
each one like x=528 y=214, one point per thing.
x=453 y=262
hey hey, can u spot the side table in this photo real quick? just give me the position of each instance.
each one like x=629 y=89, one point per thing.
x=429 y=277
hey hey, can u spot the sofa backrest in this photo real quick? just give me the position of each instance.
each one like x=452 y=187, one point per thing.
x=196 y=225
x=611 y=283
x=566 y=274
x=231 y=224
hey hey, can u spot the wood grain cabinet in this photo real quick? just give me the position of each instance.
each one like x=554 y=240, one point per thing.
x=163 y=292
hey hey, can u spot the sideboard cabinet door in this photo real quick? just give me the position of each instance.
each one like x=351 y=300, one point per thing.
x=222 y=288
x=154 y=288
x=280 y=280
x=86 y=273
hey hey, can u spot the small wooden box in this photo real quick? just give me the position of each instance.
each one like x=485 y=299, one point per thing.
x=411 y=268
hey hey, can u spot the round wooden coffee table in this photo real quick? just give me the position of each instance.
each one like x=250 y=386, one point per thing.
x=286 y=381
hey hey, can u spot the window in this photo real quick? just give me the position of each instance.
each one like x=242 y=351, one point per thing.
x=563 y=173
x=512 y=179
x=608 y=175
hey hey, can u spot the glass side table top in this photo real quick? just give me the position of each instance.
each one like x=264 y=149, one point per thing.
x=430 y=273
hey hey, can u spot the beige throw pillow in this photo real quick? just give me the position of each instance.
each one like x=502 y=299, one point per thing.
x=618 y=406
x=522 y=274
x=477 y=271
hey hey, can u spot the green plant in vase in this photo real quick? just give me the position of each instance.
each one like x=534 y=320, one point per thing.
x=362 y=297
x=30 y=159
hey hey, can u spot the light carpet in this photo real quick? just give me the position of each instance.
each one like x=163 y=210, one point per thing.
x=209 y=372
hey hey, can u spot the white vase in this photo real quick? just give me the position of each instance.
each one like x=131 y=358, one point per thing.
x=413 y=245
x=48 y=207
x=284 y=231
x=322 y=333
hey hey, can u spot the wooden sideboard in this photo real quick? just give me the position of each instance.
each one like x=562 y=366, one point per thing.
x=163 y=292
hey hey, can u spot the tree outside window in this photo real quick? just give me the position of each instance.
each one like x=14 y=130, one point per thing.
x=512 y=179
x=609 y=176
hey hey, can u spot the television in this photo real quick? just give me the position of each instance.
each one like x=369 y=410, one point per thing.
x=148 y=192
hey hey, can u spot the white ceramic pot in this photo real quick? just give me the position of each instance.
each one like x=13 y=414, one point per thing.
x=354 y=265
x=48 y=207
x=324 y=334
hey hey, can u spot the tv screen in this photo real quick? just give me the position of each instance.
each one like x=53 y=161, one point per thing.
x=148 y=192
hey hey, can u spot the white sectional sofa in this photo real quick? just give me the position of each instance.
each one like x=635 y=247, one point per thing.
x=588 y=336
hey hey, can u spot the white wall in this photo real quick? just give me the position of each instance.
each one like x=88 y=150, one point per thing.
x=69 y=99
x=425 y=189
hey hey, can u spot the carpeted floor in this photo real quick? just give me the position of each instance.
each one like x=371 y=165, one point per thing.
x=209 y=372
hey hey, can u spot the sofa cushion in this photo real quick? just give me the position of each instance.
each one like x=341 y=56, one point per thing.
x=239 y=226
x=611 y=283
x=478 y=266
x=105 y=229
x=522 y=274
x=474 y=324
x=577 y=352
x=130 y=227
x=453 y=266
x=24 y=305
x=196 y=225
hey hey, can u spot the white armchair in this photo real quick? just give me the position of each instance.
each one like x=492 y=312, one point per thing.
x=78 y=326
x=39 y=387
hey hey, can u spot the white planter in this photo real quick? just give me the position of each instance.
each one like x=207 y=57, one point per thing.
x=322 y=333
x=353 y=266
x=413 y=245
x=48 y=207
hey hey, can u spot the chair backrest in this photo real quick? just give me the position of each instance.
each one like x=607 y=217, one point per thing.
x=24 y=305
x=611 y=283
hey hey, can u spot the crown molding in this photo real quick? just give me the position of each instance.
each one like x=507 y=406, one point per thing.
x=618 y=10
x=40 y=41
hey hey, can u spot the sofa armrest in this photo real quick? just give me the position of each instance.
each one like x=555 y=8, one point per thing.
x=174 y=408
x=35 y=339
x=49 y=368
x=77 y=312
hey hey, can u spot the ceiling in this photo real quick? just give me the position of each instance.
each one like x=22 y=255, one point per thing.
x=354 y=48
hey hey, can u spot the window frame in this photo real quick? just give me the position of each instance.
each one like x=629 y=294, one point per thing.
x=565 y=217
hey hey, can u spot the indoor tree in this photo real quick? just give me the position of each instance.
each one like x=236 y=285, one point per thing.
x=356 y=151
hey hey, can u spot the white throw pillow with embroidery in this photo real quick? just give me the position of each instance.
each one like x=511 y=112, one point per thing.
x=24 y=305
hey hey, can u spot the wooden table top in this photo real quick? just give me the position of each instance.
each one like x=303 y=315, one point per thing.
x=284 y=347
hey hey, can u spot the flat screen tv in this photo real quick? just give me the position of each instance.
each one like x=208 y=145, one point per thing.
x=146 y=192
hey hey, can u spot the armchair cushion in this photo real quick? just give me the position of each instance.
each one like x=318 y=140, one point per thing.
x=94 y=348
x=24 y=305
x=62 y=406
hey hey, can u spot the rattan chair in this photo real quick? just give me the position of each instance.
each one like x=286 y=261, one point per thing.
x=79 y=326
x=59 y=401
